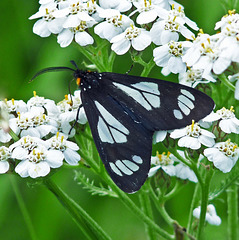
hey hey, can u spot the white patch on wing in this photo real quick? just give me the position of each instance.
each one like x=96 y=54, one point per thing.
x=136 y=95
x=184 y=108
x=132 y=166
x=110 y=119
x=113 y=131
x=186 y=101
x=118 y=136
x=148 y=96
x=123 y=168
x=104 y=132
x=188 y=94
x=137 y=159
x=147 y=87
x=177 y=114
x=153 y=99
x=115 y=169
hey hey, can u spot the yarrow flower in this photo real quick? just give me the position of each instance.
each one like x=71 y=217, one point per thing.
x=68 y=148
x=193 y=136
x=42 y=104
x=171 y=166
x=169 y=56
x=48 y=24
x=192 y=77
x=162 y=161
x=4 y=157
x=170 y=24
x=139 y=38
x=34 y=123
x=114 y=24
x=228 y=121
x=37 y=156
x=211 y=215
x=224 y=155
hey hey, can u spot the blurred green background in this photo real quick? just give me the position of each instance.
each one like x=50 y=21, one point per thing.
x=22 y=54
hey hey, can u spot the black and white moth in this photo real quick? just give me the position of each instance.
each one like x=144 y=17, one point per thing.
x=124 y=111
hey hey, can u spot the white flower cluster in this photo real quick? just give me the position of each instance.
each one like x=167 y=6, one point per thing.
x=172 y=166
x=137 y=24
x=223 y=154
x=43 y=128
x=160 y=22
x=211 y=215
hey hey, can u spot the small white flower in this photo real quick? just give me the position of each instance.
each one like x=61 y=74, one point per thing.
x=138 y=37
x=120 y=5
x=192 y=77
x=33 y=123
x=38 y=162
x=228 y=121
x=233 y=78
x=206 y=54
x=114 y=24
x=43 y=104
x=68 y=148
x=211 y=215
x=230 y=18
x=4 y=124
x=184 y=172
x=169 y=56
x=4 y=156
x=77 y=33
x=48 y=23
x=159 y=136
x=22 y=147
x=75 y=14
x=14 y=106
x=172 y=166
x=162 y=161
x=193 y=136
x=224 y=155
x=148 y=11
x=169 y=26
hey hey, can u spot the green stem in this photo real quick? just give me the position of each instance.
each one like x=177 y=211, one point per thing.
x=91 y=54
x=147 y=209
x=88 y=226
x=13 y=135
x=232 y=203
x=147 y=68
x=204 y=202
x=23 y=208
x=131 y=205
x=225 y=81
x=160 y=207
x=193 y=203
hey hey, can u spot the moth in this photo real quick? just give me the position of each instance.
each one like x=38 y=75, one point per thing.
x=124 y=111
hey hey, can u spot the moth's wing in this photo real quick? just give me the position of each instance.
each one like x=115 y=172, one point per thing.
x=123 y=143
x=159 y=105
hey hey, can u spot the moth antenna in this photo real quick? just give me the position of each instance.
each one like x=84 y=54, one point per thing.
x=74 y=64
x=77 y=116
x=51 y=69
x=131 y=67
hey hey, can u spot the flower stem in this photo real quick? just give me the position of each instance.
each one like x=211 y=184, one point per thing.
x=132 y=206
x=232 y=203
x=204 y=202
x=147 y=209
x=225 y=81
x=23 y=208
x=88 y=226
x=13 y=135
x=194 y=199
